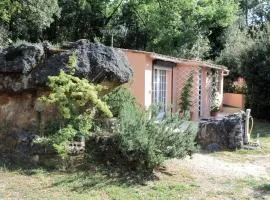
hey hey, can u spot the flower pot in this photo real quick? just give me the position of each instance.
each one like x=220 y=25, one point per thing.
x=213 y=113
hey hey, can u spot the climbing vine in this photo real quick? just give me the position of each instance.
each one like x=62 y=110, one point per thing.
x=185 y=98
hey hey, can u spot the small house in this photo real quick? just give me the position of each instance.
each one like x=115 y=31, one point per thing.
x=159 y=79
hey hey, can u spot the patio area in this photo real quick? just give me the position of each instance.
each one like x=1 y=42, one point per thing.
x=226 y=110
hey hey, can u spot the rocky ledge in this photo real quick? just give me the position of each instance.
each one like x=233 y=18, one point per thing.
x=27 y=66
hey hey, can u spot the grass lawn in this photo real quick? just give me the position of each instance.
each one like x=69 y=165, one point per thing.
x=175 y=182
x=85 y=185
x=96 y=185
x=263 y=129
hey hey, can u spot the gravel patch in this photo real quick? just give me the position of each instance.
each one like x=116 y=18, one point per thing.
x=215 y=167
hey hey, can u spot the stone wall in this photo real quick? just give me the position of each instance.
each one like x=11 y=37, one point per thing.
x=225 y=133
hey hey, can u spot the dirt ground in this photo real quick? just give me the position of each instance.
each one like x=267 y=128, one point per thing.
x=223 y=176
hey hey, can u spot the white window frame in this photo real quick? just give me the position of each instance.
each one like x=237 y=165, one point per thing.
x=162 y=89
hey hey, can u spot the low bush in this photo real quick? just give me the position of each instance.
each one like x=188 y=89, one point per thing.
x=141 y=142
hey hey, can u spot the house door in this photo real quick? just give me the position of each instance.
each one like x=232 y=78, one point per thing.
x=159 y=92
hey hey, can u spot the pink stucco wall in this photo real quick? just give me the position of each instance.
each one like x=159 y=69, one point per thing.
x=235 y=100
x=142 y=62
x=139 y=62
x=181 y=74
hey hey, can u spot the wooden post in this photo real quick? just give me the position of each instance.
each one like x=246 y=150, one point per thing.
x=247 y=134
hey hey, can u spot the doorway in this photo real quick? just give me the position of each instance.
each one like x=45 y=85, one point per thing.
x=159 y=92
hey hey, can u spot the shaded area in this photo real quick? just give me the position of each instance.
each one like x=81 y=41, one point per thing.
x=101 y=177
x=265 y=188
x=85 y=176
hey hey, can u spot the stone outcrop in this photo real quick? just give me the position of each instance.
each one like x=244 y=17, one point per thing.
x=24 y=71
x=27 y=66
x=225 y=133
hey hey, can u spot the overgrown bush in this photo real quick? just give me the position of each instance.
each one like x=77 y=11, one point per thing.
x=232 y=88
x=116 y=99
x=141 y=142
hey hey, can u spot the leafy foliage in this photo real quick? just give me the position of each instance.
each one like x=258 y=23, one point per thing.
x=179 y=28
x=71 y=94
x=77 y=101
x=117 y=98
x=147 y=142
x=238 y=42
x=26 y=20
x=4 y=36
x=256 y=67
x=142 y=143
x=234 y=88
x=255 y=12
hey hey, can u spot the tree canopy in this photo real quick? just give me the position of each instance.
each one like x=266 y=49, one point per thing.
x=187 y=28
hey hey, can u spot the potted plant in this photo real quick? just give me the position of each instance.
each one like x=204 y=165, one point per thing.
x=214 y=111
x=216 y=96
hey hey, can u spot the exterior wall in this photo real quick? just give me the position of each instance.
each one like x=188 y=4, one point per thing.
x=207 y=88
x=142 y=68
x=235 y=100
x=206 y=92
x=141 y=84
x=180 y=75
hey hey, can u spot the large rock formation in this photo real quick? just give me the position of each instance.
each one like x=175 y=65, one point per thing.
x=24 y=71
x=27 y=66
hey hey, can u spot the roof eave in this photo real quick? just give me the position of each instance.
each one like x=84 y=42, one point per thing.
x=179 y=60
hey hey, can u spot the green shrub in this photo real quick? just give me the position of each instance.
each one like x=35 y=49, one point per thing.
x=116 y=99
x=77 y=102
x=143 y=143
